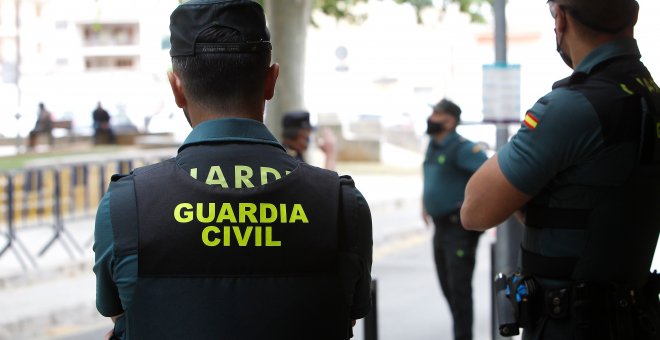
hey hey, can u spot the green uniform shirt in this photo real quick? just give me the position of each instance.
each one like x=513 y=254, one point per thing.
x=448 y=166
x=559 y=155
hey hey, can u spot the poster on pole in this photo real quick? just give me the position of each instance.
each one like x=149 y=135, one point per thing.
x=501 y=93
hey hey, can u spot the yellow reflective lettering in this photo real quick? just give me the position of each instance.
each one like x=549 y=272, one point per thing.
x=264 y=174
x=181 y=215
x=282 y=213
x=247 y=210
x=257 y=236
x=298 y=214
x=267 y=213
x=216 y=177
x=205 y=236
x=226 y=214
x=242 y=175
x=241 y=238
x=227 y=238
x=269 y=238
x=200 y=213
x=193 y=173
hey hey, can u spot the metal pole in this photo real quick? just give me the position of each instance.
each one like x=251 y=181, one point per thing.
x=509 y=233
x=499 y=7
x=18 y=72
x=371 y=320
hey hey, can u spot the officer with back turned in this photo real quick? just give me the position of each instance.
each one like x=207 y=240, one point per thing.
x=583 y=172
x=233 y=238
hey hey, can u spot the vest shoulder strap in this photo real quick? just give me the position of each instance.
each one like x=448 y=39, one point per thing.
x=348 y=211
x=123 y=215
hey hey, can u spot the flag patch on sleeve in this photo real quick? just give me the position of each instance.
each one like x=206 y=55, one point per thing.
x=530 y=121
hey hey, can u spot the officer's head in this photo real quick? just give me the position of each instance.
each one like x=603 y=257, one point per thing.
x=445 y=117
x=588 y=23
x=221 y=56
x=296 y=129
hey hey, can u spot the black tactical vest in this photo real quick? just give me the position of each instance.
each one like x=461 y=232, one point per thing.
x=251 y=263
x=622 y=228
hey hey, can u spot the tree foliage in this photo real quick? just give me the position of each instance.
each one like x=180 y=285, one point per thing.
x=342 y=9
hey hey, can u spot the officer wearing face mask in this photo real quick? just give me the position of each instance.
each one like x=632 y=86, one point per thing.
x=584 y=172
x=450 y=161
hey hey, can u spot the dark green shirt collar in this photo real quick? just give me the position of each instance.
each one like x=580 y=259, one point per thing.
x=228 y=130
x=447 y=140
x=613 y=49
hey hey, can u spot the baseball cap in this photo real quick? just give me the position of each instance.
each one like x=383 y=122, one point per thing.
x=447 y=106
x=296 y=120
x=190 y=19
x=608 y=16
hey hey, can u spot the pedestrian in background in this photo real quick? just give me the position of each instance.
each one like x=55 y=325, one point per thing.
x=450 y=161
x=102 y=127
x=583 y=171
x=296 y=137
x=233 y=238
x=43 y=125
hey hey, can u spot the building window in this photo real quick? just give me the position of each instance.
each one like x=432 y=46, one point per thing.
x=110 y=63
x=110 y=34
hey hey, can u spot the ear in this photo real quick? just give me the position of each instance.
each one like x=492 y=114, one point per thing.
x=271 y=78
x=560 y=19
x=635 y=13
x=177 y=89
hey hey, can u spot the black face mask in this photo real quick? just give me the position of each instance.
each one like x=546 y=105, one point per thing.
x=433 y=128
x=561 y=52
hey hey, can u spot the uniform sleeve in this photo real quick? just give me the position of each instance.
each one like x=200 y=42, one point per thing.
x=107 y=295
x=559 y=130
x=362 y=299
x=471 y=157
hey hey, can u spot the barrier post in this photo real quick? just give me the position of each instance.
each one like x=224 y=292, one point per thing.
x=58 y=225
x=12 y=239
x=371 y=320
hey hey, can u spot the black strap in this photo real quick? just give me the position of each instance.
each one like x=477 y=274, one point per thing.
x=545 y=266
x=123 y=215
x=349 y=212
x=556 y=218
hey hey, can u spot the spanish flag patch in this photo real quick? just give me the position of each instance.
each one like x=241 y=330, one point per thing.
x=530 y=121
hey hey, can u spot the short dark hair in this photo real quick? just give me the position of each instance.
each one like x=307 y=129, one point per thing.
x=605 y=16
x=223 y=79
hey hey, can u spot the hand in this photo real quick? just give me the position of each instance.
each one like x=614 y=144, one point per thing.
x=426 y=218
x=327 y=143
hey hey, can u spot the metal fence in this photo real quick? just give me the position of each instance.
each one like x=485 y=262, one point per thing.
x=54 y=195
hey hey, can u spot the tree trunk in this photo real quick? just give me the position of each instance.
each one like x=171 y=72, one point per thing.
x=287 y=21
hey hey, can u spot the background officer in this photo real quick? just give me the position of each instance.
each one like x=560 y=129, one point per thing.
x=296 y=137
x=583 y=169
x=235 y=241
x=450 y=161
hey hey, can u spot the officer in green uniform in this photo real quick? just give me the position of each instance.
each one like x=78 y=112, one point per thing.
x=583 y=174
x=449 y=163
x=233 y=238
x=296 y=138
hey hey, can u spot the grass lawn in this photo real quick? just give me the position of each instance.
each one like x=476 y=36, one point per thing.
x=20 y=161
